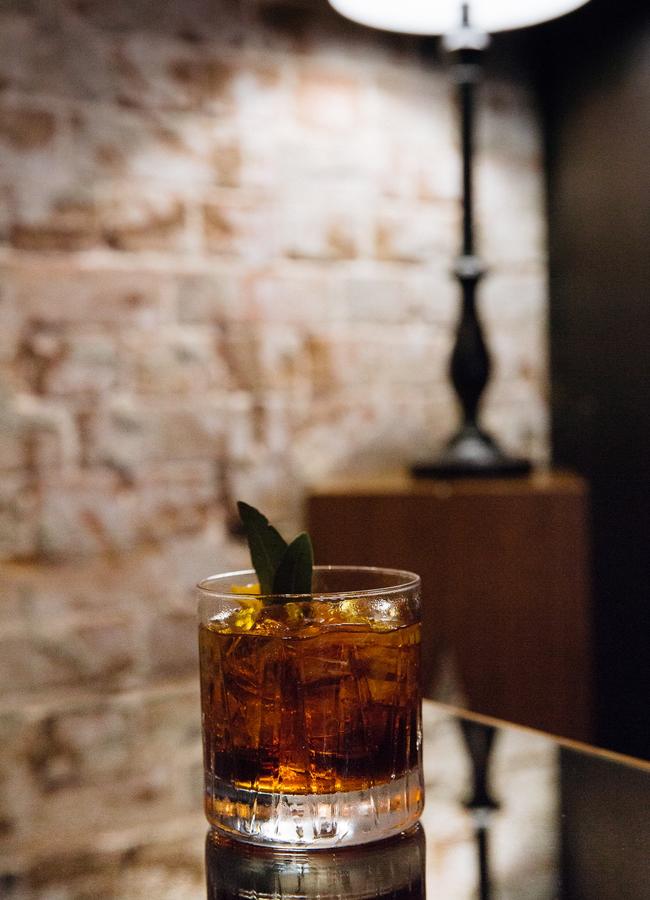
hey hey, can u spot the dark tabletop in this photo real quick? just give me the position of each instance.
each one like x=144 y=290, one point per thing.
x=510 y=814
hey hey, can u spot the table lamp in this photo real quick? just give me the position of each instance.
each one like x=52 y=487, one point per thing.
x=471 y=451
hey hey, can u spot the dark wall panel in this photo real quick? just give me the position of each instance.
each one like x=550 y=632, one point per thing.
x=594 y=84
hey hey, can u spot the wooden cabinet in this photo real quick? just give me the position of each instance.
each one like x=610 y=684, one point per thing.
x=504 y=567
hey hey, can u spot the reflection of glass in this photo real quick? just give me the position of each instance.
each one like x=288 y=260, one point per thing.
x=389 y=869
x=311 y=708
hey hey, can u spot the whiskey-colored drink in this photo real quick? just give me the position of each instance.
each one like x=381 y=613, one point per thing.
x=311 y=710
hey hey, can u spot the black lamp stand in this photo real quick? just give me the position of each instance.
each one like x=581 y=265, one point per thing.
x=471 y=451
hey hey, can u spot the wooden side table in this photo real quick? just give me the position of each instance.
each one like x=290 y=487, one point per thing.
x=504 y=566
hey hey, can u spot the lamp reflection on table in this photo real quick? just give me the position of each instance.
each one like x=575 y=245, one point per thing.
x=393 y=869
x=479 y=740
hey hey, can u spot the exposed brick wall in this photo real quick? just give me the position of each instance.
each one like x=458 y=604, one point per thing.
x=225 y=237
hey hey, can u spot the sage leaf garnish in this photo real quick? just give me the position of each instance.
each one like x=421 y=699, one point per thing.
x=281 y=568
x=266 y=545
x=293 y=575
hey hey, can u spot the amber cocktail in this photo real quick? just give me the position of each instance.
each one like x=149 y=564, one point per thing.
x=312 y=708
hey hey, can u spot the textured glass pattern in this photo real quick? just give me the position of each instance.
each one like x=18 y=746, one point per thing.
x=311 y=720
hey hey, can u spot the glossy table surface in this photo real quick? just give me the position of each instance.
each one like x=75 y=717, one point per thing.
x=510 y=813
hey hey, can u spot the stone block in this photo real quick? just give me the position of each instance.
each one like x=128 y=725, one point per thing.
x=13 y=452
x=49 y=430
x=425 y=171
x=60 y=291
x=67 y=653
x=87 y=743
x=95 y=512
x=51 y=55
x=193 y=21
x=13 y=609
x=509 y=128
x=421 y=234
x=179 y=359
x=242 y=227
x=380 y=296
x=316 y=228
x=17 y=794
x=70 y=223
x=11 y=332
x=281 y=414
x=511 y=231
x=103 y=650
x=173 y=643
x=19 y=510
x=377 y=355
x=227 y=161
x=296 y=293
x=297 y=162
x=355 y=433
x=80 y=362
x=510 y=296
x=153 y=70
x=329 y=99
x=263 y=99
x=152 y=578
x=202 y=82
x=36 y=593
x=267 y=357
x=51 y=202
x=212 y=296
x=26 y=128
x=84 y=513
x=131 y=431
x=134 y=217
x=417 y=104
x=172 y=718
x=174 y=499
x=16 y=657
x=240 y=439
x=111 y=145
x=518 y=353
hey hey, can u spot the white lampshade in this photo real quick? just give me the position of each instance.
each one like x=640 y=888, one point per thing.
x=443 y=16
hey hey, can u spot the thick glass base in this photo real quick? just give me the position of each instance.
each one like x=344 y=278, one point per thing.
x=314 y=821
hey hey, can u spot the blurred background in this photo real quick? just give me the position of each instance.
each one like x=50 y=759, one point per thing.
x=226 y=236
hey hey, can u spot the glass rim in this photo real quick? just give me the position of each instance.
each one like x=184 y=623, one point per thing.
x=405 y=580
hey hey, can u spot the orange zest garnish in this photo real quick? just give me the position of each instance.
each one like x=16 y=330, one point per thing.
x=253 y=589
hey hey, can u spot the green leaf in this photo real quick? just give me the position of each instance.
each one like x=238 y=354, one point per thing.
x=266 y=545
x=294 y=573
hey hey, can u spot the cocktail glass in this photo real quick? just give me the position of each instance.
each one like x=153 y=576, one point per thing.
x=311 y=707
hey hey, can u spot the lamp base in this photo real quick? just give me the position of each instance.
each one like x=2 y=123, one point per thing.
x=472 y=453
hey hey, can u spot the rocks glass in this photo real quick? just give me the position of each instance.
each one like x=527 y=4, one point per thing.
x=311 y=708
